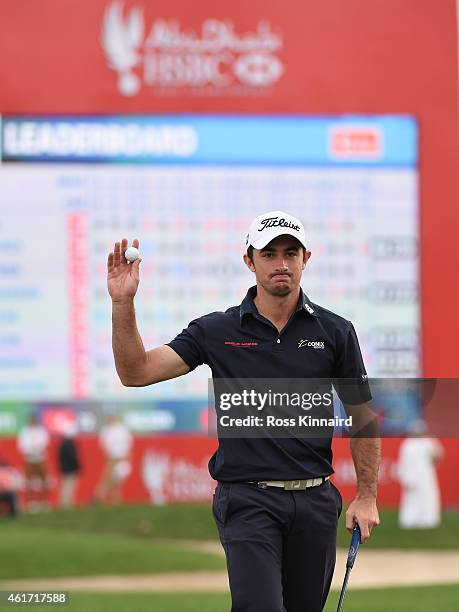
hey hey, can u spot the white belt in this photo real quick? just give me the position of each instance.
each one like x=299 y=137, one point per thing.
x=292 y=485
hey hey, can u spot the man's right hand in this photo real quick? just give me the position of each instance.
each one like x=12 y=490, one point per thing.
x=122 y=277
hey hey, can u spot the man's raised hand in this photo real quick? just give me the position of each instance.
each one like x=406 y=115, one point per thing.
x=122 y=277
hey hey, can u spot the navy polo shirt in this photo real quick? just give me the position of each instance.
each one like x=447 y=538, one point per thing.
x=241 y=343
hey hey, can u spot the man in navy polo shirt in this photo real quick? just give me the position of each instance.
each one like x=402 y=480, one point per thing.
x=274 y=506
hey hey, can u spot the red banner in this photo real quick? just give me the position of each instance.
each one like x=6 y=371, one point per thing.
x=173 y=469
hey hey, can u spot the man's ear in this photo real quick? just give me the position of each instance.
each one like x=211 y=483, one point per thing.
x=306 y=256
x=248 y=262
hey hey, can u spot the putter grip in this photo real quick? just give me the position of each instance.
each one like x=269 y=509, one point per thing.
x=354 y=546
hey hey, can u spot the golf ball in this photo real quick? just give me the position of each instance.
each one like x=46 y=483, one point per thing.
x=132 y=254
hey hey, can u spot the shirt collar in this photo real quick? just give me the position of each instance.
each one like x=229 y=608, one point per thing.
x=305 y=303
x=248 y=306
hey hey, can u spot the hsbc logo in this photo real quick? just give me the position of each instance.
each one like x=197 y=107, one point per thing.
x=167 y=55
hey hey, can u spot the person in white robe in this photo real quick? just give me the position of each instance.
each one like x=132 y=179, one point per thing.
x=420 y=504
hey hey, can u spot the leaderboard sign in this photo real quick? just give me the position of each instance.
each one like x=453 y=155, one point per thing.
x=194 y=139
x=188 y=186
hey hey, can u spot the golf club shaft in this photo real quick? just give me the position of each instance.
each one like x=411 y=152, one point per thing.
x=353 y=549
x=343 y=589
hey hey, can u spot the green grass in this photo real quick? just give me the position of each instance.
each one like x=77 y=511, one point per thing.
x=389 y=535
x=194 y=521
x=420 y=599
x=144 y=602
x=145 y=539
x=182 y=521
x=29 y=552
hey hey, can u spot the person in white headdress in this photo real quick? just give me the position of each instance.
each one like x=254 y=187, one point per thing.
x=116 y=441
x=33 y=442
x=420 y=504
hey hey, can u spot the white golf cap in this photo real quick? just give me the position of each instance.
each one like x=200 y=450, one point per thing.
x=272 y=224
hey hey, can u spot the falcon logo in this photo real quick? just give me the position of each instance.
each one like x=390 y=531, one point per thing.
x=121 y=40
x=317 y=344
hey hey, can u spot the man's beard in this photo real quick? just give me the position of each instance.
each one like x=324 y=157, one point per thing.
x=279 y=289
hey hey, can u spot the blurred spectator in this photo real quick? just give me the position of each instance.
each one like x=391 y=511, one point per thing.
x=33 y=441
x=69 y=465
x=10 y=482
x=420 y=506
x=116 y=441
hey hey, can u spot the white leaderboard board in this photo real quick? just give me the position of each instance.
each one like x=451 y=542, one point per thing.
x=353 y=182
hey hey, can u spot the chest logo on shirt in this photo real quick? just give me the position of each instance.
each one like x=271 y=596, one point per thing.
x=240 y=344
x=317 y=344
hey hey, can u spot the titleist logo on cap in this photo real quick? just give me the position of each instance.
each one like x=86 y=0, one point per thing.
x=276 y=222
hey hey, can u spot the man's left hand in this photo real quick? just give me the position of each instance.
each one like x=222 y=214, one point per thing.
x=362 y=510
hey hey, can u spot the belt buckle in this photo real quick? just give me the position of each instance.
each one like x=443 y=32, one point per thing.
x=295 y=485
x=262 y=485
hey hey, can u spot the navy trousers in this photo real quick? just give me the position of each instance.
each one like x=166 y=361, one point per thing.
x=280 y=545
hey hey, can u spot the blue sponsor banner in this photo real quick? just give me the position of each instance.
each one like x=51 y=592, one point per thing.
x=140 y=416
x=190 y=139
